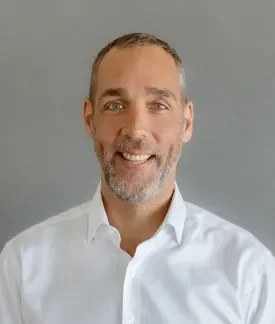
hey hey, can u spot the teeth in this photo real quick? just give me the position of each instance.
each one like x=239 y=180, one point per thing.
x=137 y=158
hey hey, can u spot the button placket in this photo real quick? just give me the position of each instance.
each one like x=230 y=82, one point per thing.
x=129 y=297
x=131 y=319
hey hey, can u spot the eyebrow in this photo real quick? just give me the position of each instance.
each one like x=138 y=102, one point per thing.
x=161 y=92
x=113 y=92
x=120 y=92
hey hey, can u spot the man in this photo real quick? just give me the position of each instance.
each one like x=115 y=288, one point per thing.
x=137 y=252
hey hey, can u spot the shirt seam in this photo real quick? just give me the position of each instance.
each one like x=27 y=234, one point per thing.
x=52 y=220
x=252 y=286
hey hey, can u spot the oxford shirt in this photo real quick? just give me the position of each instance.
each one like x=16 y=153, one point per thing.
x=196 y=269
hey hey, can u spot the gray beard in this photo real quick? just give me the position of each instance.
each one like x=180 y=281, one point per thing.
x=143 y=192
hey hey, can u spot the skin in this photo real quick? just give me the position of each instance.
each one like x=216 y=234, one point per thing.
x=137 y=120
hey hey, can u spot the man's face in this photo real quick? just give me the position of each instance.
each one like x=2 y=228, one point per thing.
x=138 y=121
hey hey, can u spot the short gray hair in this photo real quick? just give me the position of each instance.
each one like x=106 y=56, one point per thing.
x=131 y=40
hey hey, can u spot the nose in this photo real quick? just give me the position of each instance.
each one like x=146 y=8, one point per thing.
x=136 y=121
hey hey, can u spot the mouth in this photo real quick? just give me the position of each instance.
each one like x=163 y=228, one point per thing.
x=135 y=158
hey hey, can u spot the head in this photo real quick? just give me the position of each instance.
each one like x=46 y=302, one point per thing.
x=138 y=115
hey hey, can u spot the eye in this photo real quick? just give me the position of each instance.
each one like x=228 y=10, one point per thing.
x=114 y=106
x=159 y=106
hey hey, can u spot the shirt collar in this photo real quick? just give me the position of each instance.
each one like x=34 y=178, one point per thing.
x=97 y=214
x=175 y=216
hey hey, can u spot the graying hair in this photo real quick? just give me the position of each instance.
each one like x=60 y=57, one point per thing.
x=131 y=40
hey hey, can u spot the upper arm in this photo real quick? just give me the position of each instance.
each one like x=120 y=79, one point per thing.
x=261 y=309
x=10 y=303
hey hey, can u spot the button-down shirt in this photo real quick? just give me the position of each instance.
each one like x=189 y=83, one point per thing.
x=196 y=269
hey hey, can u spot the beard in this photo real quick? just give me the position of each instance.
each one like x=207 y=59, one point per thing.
x=133 y=186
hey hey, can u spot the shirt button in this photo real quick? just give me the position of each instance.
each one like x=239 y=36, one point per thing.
x=131 y=319
x=131 y=274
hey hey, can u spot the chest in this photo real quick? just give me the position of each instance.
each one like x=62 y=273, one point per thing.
x=115 y=289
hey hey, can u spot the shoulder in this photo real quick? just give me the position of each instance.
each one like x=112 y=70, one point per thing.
x=229 y=245
x=234 y=255
x=64 y=226
x=209 y=224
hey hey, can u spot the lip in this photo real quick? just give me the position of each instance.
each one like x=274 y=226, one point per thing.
x=136 y=152
x=131 y=165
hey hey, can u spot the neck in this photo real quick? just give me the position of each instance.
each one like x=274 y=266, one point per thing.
x=137 y=222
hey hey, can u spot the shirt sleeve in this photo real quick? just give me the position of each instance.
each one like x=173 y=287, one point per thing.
x=10 y=305
x=261 y=309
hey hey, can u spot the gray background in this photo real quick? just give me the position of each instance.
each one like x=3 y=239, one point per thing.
x=228 y=47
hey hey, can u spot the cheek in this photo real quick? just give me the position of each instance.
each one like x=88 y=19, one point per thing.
x=169 y=135
x=100 y=146
x=103 y=141
x=105 y=133
x=169 y=125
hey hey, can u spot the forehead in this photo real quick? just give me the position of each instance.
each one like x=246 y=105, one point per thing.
x=135 y=68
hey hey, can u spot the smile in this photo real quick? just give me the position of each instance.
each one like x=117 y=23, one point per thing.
x=135 y=158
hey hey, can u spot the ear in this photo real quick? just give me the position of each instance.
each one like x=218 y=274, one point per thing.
x=188 y=121
x=88 y=116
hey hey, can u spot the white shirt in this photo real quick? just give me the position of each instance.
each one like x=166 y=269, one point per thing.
x=197 y=269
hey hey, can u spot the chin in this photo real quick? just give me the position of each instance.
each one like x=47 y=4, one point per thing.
x=135 y=197
x=135 y=191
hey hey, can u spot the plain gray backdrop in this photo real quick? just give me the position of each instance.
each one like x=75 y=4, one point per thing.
x=228 y=49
